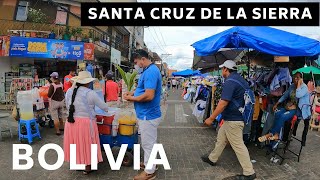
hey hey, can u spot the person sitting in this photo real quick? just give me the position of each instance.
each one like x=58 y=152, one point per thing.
x=297 y=97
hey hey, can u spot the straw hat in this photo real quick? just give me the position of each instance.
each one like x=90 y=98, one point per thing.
x=318 y=89
x=84 y=77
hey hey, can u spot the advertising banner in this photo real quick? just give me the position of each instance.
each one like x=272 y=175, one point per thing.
x=115 y=56
x=4 y=45
x=88 y=51
x=46 y=48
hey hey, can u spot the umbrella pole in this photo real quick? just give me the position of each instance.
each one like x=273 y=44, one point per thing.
x=248 y=64
x=314 y=82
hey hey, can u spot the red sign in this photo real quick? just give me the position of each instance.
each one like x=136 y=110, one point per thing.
x=4 y=45
x=88 y=51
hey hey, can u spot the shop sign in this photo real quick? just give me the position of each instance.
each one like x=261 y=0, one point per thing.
x=4 y=45
x=46 y=48
x=88 y=51
x=115 y=56
x=281 y=58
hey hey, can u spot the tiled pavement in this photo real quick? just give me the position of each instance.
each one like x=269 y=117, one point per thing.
x=184 y=140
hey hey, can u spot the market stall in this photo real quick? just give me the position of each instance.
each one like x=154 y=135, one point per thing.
x=269 y=82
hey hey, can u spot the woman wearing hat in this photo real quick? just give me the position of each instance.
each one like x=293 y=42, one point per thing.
x=56 y=102
x=81 y=128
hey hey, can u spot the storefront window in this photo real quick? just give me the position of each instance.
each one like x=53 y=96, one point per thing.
x=62 y=16
x=22 y=11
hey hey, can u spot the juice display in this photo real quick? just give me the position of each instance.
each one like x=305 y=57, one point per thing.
x=25 y=105
x=26 y=116
x=127 y=125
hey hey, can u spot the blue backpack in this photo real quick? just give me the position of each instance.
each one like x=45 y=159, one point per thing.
x=248 y=108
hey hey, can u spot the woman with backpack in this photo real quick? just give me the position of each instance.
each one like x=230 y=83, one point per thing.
x=57 y=103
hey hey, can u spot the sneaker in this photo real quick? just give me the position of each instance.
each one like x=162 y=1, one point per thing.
x=144 y=176
x=243 y=177
x=207 y=160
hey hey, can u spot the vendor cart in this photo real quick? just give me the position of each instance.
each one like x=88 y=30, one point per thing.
x=115 y=130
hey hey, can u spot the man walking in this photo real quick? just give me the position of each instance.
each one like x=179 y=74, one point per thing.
x=174 y=84
x=232 y=129
x=146 y=98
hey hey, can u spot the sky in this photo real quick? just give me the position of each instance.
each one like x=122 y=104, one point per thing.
x=177 y=41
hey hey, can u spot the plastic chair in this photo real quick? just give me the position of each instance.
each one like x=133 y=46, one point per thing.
x=30 y=133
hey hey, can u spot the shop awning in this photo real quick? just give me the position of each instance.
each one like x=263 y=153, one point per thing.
x=186 y=73
x=264 y=39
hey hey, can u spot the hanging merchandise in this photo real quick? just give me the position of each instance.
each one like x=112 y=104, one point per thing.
x=199 y=109
x=90 y=69
x=21 y=84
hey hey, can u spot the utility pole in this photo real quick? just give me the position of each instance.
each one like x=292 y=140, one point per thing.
x=133 y=48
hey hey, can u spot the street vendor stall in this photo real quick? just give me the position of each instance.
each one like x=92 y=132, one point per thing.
x=269 y=86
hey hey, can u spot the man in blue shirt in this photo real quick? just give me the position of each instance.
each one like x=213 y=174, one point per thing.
x=146 y=100
x=232 y=129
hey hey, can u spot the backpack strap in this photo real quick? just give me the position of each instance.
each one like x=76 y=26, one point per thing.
x=238 y=82
x=55 y=87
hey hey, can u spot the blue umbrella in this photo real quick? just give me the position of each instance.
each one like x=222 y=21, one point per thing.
x=186 y=73
x=264 y=39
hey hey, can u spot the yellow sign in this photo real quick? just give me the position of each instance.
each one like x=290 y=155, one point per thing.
x=281 y=58
x=37 y=47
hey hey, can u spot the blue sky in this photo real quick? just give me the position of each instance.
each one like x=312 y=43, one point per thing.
x=177 y=40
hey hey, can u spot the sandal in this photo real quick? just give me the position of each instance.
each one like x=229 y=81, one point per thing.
x=58 y=134
x=272 y=138
x=61 y=129
x=262 y=139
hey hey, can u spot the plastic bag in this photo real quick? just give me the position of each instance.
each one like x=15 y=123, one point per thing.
x=43 y=92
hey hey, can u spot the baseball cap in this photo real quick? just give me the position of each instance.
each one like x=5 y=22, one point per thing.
x=54 y=75
x=229 y=64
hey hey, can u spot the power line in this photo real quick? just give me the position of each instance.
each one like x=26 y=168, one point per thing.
x=154 y=29
x=156 y=41
x=162 y=36
x=167 y=45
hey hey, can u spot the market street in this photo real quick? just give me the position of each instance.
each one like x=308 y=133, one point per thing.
x=184 y=141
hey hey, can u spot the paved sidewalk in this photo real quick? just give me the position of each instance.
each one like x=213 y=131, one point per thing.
x=184 y=140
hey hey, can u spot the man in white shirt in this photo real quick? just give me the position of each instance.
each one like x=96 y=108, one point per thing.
x=174 y=84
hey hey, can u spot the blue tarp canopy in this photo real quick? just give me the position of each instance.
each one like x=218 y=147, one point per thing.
x=186 y=73
x=264 y=39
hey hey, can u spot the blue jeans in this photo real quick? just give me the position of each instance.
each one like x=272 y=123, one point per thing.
x=280 y=118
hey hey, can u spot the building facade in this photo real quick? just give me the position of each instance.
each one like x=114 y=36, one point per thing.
x=59 y=21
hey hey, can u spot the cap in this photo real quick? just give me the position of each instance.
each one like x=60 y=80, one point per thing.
x=229 y=64
x=54 y=75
